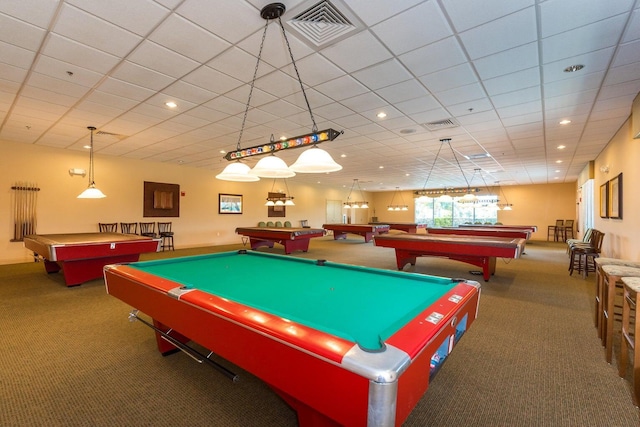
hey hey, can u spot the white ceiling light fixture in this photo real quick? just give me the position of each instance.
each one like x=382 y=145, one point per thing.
x=272 y=167
x=238 y=172
x=91 y=192
x=282 y=199
x=506 y=206
x=313 y=160
x=401 y=207
x=361 y=204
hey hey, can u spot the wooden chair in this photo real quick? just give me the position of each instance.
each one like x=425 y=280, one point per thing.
x=585 y=239
x=270 y=224
x=164 y=230
x=262 y=224
x=287 y=224
x=555 y=230
x=129 y=227
x=108 y=227
x=582 y=257
x=304 y=223
x=279 y=224
x=567 y=230
x=148 y=229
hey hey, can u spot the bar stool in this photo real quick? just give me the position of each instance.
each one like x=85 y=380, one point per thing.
x=164 y=230
x=148 y=229
x=612 y=287
x=129 y=227
x=600 y=262
x=630 y=330
x=567 y=230
x=111 y=227
x=555 y=230
x=582 y=256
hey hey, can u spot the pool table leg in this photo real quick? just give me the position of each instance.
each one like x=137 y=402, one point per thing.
x=306 y=416
x=164 y=346
x=257 y=243
x=295 y=245
x=403 y=258
x=51 y=266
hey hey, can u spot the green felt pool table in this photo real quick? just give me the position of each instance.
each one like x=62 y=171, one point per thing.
x=342 y=344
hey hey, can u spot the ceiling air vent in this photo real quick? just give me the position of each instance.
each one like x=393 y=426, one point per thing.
x=110 y=135
x=442 y=124
x=323 y=22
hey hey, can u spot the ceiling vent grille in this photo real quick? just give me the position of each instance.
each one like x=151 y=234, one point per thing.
x=110 y=135
x=323 y=23
x=442 y=124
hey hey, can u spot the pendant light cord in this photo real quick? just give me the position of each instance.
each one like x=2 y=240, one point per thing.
x=314 y=129
x=432 y=166
x=91 y=180
x=448 y=141
x=253 y=81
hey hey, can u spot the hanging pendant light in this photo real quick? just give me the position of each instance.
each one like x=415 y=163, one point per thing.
x=469 y=197
x=362 y=204
x=281 y=199
x=272 y=167
x=401 y=207
x=315 y=160
x=506 y=206
x=312 y=160
x=91 y=192
x=237 y=171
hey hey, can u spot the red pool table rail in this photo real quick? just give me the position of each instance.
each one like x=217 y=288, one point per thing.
x=328 y=380
x=479 y=251
x=368 y=231
x=82 y=256
x=293 y=239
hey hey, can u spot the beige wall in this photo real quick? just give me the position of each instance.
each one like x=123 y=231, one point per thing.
x=537 y=205
x=199 y=224
x=621 y=156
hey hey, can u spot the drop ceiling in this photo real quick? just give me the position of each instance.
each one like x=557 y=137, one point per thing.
x=486 y=74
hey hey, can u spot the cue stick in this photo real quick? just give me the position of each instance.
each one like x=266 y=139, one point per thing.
x=20 y=212
x=189 y=351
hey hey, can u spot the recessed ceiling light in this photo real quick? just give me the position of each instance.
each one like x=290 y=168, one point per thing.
x=343 y=155
x=283 y=138
x=381 y=115
x=561 y=147
x=223 y=152
x=573 y=68
x=171 y=104
x=558 y=161
x=380 y=167
x=86 y=146
x=564 y=122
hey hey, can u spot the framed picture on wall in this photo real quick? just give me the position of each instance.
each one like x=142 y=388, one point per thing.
x=229 y=203
x=604 y=200
x=615 y=197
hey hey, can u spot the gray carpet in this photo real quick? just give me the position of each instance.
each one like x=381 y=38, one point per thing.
x=532 y=358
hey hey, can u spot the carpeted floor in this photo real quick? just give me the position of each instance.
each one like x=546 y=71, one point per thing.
x=71 y=358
